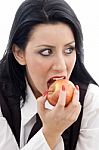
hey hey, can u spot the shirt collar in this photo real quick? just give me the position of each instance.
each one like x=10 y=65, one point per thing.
x=29 y=109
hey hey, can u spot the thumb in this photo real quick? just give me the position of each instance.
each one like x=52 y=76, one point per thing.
x=41 y=104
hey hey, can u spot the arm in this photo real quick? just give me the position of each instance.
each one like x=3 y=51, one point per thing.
x=58 y=119
x=38 y=142
x=89 y=132
x=54 y=123
x=7 y=139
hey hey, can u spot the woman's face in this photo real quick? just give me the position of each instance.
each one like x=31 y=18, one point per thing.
x=49 y=55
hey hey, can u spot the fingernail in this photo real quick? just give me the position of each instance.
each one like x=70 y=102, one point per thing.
x=63 y=88
x=45 y=93
x=77 y=87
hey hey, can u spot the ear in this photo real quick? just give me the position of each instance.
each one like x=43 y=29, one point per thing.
x=19 y=54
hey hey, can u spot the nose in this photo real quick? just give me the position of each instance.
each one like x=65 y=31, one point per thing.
x=59 y=64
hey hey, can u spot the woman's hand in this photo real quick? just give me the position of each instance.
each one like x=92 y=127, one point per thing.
x=58 y=119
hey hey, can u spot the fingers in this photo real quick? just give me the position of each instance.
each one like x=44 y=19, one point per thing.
x=76 y=93
x=75 y=105
x=41 y=104
x=75 y=100
x=62 y=97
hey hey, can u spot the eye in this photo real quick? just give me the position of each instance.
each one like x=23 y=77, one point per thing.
x=69 y=50
x=46 y=52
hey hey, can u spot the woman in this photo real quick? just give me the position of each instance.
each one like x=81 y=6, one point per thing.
x=46 y=43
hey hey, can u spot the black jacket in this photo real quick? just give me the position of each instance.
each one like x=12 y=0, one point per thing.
x=11 y=111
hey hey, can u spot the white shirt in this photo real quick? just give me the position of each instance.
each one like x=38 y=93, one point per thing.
x=28 y=119
x=89 y=132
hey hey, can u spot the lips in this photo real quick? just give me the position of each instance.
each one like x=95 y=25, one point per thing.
x=53 y=79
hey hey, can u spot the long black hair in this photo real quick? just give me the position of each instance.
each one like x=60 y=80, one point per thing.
x=30 y=14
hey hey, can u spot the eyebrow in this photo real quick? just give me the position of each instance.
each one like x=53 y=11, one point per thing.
x=46 y=45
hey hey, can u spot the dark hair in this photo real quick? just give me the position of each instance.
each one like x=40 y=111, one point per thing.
x=29 y=14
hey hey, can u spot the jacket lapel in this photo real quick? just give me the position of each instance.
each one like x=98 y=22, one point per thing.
x=36 y=127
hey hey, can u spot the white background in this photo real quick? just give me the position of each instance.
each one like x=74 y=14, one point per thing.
x=88 y=14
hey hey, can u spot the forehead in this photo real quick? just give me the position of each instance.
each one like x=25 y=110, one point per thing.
x=51 y=28
x=51 y=31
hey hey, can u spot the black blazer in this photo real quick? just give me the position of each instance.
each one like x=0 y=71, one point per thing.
x=11 y=111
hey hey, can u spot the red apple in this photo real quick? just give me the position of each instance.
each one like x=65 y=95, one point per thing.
x=54 y=90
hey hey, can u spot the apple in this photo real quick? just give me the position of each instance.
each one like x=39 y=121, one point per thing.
x=54 y=90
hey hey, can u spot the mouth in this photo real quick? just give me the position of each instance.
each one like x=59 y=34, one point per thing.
x=53 y=79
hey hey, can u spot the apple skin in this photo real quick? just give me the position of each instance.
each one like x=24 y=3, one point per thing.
x=54 y=90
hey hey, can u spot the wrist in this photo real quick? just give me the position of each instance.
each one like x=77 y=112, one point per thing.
x=51 y=138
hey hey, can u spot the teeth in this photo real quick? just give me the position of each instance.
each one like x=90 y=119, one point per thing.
x=54 y=79
x=58 y=78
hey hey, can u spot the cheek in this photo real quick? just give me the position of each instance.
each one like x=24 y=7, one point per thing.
x=34 y=68
x=37 y=73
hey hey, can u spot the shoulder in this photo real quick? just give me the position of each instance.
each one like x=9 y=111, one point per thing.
x=92 y=96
